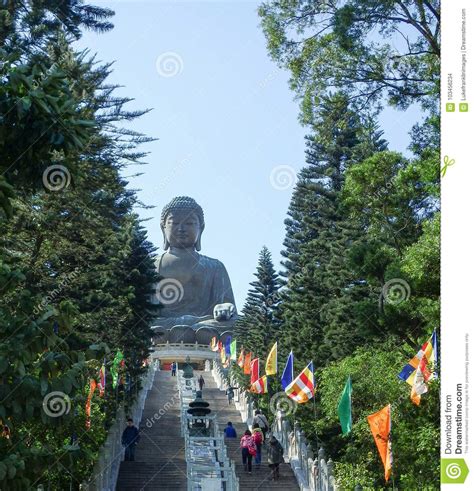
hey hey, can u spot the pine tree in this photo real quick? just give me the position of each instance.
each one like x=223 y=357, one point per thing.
x=319 y=231
x=257 y=328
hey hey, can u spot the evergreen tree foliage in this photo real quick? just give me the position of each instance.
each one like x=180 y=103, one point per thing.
x=76 y=269
x=319 y=233
x=257 y=328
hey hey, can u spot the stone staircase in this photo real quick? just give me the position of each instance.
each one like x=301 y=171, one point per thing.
x=260 y=479
x=159 y=457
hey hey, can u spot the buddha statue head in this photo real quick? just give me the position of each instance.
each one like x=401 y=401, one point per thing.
x=182 y=223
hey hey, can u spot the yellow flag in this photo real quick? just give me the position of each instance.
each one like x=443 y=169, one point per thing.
x=271 y=365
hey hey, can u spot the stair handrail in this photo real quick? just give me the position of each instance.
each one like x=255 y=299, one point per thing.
x=106 y=469
x=312 y=473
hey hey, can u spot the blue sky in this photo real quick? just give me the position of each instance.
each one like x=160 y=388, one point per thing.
x=225 y=120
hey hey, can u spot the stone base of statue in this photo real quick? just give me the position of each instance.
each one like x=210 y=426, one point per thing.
x=189 y=329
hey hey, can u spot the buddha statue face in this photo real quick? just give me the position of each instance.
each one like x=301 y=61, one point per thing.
x=182 y=229
x=182 y=223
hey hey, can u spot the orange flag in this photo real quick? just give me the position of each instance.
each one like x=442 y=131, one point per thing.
x=240 y=361
x=248 y=358
x=380 y=426
x=254 y=370
x=92 y=385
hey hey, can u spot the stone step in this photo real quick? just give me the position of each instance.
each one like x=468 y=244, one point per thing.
x=160 y=455
x=260 y=478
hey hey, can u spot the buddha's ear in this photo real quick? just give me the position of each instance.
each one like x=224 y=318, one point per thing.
x=198 y=243
x=166 y=244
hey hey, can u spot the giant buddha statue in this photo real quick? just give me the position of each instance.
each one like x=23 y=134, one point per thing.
x=194 y=290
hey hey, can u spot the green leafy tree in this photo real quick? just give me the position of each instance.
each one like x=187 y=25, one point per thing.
x=369 y=50
x=375 y=383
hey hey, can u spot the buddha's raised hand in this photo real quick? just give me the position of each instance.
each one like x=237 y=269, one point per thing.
x=224 y=311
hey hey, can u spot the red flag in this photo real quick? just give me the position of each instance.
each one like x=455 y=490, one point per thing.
x=254 y=370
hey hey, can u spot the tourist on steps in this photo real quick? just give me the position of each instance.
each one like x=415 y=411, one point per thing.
x=230 y=394
x=261 y=421
x=257 y=435
x=173 y=369
x=201 y=382
x=230 y=432
x=275 y=457
x=130 y=437
x=248 y=450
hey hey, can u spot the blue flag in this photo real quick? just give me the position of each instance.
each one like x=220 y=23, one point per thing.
x=227 y=345
x=287 y=376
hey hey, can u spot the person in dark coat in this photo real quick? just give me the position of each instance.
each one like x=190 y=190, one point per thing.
x=173 y=369
x=230 y=394
x=275 y=457
x=130 y=438
x=201 y=382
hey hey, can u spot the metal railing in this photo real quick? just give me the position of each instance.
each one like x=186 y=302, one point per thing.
x=182 y=345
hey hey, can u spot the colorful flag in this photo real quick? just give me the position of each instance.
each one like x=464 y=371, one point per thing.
x=227 y=345
x=418 y=371
x=92 y=387
x=260 y=386
x=254 y=370
x=223 y=357
x=233 y=350
x=271 y=367
x=114 y=369
x=380 y=426
x=247 y=366
x=240 y=361
x=344 y=409
x=214 y=346
x=302 y=388
x=102 y=380
x=288 y=376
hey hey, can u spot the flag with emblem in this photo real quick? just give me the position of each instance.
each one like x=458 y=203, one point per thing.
x=301 y=390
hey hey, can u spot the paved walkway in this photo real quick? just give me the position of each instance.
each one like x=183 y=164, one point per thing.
x=260 y=479
x=159 y=457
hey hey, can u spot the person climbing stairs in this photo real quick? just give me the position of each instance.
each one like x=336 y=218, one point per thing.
x=160 y=454
x=260 y=479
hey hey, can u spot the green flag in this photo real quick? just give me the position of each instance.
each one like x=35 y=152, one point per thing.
x=344 y=408
x=114 y=369
x=233 y=350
